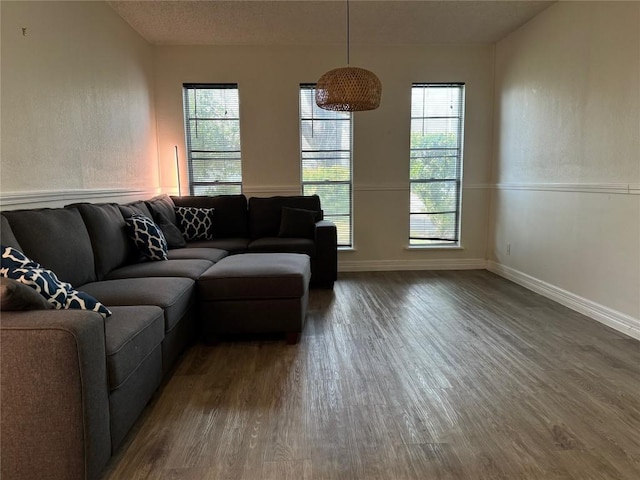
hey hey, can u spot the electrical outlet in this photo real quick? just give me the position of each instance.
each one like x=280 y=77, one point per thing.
x=508 y=249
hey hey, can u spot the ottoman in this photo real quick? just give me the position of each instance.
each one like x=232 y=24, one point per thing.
x=255 y=293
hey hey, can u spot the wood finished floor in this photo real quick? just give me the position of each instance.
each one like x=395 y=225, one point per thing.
x=403 y=375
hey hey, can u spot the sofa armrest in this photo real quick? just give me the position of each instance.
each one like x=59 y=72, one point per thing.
x=325 y=264
x=53 y=388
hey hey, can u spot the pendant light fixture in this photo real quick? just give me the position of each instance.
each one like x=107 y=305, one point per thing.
x=348 y=89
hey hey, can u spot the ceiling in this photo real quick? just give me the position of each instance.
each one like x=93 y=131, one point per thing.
x=310 y=22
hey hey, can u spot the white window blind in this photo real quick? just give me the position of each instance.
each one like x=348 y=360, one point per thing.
x=212 y=126
x=325 y=140
x=437 y=133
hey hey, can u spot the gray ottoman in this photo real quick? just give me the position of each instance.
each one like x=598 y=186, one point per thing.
x=255 y=293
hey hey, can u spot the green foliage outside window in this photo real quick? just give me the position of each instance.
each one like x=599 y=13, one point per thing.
x=434 y=158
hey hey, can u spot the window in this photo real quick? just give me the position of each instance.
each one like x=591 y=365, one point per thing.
x=437 y=124
x=212 y=126
x=325 y=142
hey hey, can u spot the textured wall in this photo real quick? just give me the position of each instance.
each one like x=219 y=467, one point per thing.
x=269 y=79
x=567 y=152
x=77 y=100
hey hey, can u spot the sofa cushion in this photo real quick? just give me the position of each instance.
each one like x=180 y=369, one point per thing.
x=60 y=294
x=230 y=219
x=162 y=204
x=256 y=277
x=139 y=206
x=6 y=234
x=147 y=237
x=56 y=238
x=212 y=254
x=131 y=334
x=195 y=223
x=18 y=296
x=284 y=245
x=297 y=223
x=173 y=295
x=231 y=245
x=188 y=268
x=265 y=213
x=111 y=244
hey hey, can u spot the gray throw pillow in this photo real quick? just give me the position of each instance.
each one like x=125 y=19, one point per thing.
x=18 y=296
x=172 y=234
x=297 y=223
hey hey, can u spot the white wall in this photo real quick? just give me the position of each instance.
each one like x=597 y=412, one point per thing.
x=269 y=79
x=78 y=119
x=566 y=213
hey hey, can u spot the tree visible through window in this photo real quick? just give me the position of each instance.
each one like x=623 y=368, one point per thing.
x=212 y=126
x=437 y=127
x=325 y=141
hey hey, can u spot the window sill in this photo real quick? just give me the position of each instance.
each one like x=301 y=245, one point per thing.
x=434 y=247
x=347 y=249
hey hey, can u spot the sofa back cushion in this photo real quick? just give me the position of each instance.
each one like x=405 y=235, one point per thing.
x=7 y=237
x=265 y=212
x=163 y=206
x=58 y=239
x=132 y=208
x=229 y=216
x=110 y=241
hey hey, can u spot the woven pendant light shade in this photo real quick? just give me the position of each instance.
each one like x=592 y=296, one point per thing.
x=348 y=89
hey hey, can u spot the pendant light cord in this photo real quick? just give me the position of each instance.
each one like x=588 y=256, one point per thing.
x=348 y=33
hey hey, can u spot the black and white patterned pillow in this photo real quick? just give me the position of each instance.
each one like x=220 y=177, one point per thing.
x=195 y=223
x=60 y=294
x=147 y=236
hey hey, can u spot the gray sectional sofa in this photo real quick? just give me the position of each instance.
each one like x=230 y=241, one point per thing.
x=73 y=383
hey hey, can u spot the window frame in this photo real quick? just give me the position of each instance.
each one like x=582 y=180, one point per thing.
x=439 y=242
x=233 y=154
x=349 y=155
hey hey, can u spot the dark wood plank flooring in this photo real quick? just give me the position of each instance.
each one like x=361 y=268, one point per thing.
x=403 y=375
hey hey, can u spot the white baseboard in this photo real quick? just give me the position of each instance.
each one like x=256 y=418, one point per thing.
x=612 y=318
x=393 y=265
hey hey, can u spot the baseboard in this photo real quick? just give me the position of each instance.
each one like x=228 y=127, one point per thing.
x=59 y=198
x=393 y=265
x=612 y=318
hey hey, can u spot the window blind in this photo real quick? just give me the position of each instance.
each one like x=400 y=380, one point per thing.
x=326 y=164
x=437 y=130
x=212 y=127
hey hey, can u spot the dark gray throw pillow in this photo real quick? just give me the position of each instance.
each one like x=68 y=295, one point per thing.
x=297 y=223
x=172 y=234
x=18 y=296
